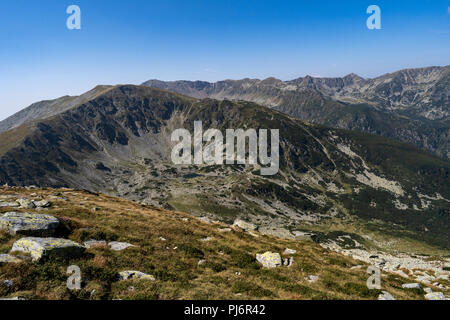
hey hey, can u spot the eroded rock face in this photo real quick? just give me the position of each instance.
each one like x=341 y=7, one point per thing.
x=29 y=224
x=130 y=274
x=269 y=259
x=246 y=226
x=48 y=247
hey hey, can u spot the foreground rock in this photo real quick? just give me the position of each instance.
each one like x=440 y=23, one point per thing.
x=412 y=286
x=289 y=251
x=42 y=204
x=48 y=247
x=7 y=258
x=95 y=243
x=28 y=224
x=127 y=275
x=435 y=296
x=26 y=203
x=386 y=296
x=246 y=226
x=312 y=278
x=269 y=259
x=119 y=246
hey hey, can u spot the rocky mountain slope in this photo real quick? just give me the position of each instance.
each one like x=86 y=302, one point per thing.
x=332 y=182
x=129 y=251
x=410 y=105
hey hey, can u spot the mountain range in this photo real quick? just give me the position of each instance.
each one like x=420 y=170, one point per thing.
x=117 y=140
x=409 y=105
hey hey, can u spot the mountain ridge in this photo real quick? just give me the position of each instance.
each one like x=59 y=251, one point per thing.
x=410 y=105
x=119 y=143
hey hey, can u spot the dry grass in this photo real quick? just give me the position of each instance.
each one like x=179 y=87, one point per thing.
x=230 y=270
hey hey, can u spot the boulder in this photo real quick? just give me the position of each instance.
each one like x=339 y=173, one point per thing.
x=26 y=203
x=130 y=274
x=411 y=286
x=7 y=258
x=119 y=246
x=48 y=247
x=435 y=296
x=269 y=259
x=28 y=224
x=42 y=204
x=312 y=278
x=94 y=243
x=428 y=290
x=246 y=226
x=276 y=232
x=385 y=296
x=224 y=230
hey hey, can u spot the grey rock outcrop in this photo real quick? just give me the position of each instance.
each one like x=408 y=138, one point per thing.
x=39 y=248
x=29 y=224
x=269 y=259
x=244 y=225
x=131 y=274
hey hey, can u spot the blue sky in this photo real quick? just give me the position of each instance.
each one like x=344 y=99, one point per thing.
x=136 y=40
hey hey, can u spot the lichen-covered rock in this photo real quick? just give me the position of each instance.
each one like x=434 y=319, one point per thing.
x=7 y=258
x=95 y=243
x=48 y=247
x=129 y=274
x=269 y=259
x=246 y=226
x=435 y=296
x=28 y=224
x=119 y=246
x=26 y=203
x=42 y=204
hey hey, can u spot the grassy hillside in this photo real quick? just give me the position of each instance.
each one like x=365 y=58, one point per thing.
x=229 y=270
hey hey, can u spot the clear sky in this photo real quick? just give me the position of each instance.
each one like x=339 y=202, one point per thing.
x=136 y=40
